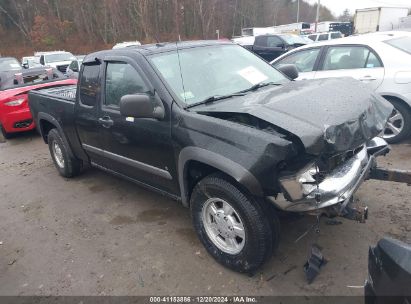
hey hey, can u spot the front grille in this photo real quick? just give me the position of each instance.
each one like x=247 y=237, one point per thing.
x=23 y=124
x=62 y=68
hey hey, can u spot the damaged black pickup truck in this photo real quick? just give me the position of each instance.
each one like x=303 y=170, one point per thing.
x=217 y=128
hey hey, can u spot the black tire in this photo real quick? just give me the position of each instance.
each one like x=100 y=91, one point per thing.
x=4 y=133
x=406 y=114
x=259 y=240
x=71 y=166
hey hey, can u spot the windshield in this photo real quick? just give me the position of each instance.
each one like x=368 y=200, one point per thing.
x=60 y=57
x=9 y=64
x=403 y=43
x=213 y=71
x=293 y=39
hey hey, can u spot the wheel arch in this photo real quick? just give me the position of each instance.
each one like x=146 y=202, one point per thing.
x=45 y=123
x=207 y=162
x=393 y=96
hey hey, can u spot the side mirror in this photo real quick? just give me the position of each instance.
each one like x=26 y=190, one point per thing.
x=140 y=106
x=290 y=70
x=25 y=65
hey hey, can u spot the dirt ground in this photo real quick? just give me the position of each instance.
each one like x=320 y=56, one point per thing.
x=100 y=235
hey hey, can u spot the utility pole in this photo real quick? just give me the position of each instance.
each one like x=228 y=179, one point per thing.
x=317 y=17
x=298 y=11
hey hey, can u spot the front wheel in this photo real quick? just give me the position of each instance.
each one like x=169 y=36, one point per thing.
x=233 y=227
x=398 y=126
x=65 y=165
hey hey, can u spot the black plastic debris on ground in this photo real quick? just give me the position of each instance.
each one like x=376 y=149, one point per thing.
x=315 y=261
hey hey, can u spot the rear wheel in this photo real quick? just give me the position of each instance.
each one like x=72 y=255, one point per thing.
x=398 y=125
x=65 y=165
x=233 y=227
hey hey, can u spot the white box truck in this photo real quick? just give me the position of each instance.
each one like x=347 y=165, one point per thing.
x=377 y=19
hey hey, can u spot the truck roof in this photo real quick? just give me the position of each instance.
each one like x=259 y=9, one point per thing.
x=155 y=48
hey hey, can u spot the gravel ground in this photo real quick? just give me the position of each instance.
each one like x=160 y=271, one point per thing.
x=100 y=235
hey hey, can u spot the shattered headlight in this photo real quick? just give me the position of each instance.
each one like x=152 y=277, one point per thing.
x=303 y=183
x=308 y=179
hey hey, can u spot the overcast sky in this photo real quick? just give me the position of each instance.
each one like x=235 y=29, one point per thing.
x=338 y=6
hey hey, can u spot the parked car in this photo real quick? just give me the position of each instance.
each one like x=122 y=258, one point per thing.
x=74 y=67
x=389 y=273
x=126 y=44
x=57 y=59
x=210 y=124
x=382 y=60
x=9 y=64
x=270 y=46
x=324 y=36
x=30 y=62
x=15 y=83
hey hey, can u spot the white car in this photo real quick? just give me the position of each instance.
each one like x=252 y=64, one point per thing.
x=382 y=60
x=57 y=59
x=316 y=37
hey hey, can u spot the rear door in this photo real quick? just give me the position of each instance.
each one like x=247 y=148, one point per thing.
x=87 y=113
x=305 y=60
x=357 y=61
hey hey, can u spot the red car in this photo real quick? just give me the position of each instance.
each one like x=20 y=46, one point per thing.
x=15 y=83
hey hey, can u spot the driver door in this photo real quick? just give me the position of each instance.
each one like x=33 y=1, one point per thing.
x=138 y=148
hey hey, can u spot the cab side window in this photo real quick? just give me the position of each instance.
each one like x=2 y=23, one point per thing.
x=268 y=41
x=323 y=37
x=89 y=85
x=122 y=79
x=273 y=41
x=261 y=41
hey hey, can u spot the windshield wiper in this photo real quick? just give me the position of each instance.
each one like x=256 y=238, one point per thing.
x=260 y=85
x=214 y=98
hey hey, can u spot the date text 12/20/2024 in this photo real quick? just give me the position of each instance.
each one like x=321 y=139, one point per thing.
x=204 y=299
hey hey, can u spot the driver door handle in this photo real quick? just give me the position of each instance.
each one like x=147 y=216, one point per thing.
x=367 y=78
x=106 y=121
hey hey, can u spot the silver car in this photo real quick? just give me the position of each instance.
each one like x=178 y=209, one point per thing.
x=382 y=60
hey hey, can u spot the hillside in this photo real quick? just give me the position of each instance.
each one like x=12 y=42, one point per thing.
x=82 y=26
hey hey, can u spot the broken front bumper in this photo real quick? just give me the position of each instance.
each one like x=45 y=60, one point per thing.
x=337 y=187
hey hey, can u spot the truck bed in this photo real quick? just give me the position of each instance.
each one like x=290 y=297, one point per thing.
x=67 y=92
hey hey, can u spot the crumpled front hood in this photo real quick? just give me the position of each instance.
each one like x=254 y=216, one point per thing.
x=328 y=115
